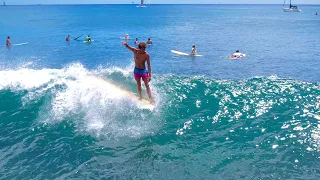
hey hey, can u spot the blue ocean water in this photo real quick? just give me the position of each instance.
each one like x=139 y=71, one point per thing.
x=254 y=118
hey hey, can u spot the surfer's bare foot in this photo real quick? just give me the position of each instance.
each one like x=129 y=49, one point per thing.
x=151 y=101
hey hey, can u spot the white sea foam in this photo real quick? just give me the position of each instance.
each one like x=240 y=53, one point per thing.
x=75 y=93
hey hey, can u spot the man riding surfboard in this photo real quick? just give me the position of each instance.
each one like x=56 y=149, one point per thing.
x=140 y=72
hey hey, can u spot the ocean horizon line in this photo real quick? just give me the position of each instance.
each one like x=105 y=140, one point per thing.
x=145 y=4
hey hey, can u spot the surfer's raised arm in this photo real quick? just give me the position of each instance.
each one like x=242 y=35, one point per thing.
x=129 y=47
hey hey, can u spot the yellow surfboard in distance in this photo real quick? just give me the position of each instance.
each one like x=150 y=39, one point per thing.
x=183 y=54
x=145 y=103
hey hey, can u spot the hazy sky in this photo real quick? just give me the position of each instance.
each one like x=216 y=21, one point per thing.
x=17 y=2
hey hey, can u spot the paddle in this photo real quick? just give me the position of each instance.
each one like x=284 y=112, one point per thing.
x=78 y=37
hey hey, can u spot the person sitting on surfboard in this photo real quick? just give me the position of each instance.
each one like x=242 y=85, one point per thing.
x=8 y=41
x=88 y=38
x=140 y=71
x=194 y=50
x=68 y=38
x=136 y=41
x=237 y=54
x=149 y=41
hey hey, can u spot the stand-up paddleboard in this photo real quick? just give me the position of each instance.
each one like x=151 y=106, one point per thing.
x=183 y=54
x=20 y=44
x=238 y=57
x=143 y=103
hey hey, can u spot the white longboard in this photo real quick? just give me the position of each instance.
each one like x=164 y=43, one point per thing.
x=183 y=54
x=20 y=44
x=142 y=103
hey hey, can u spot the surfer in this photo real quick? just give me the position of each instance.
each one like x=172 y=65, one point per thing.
x=136 y=41
x=194 y=50
x=237 y=54
x=140 y=71
x=88 y=38
x=68 y=38
x=8 y=41
x=149 y=41
x=127 y=37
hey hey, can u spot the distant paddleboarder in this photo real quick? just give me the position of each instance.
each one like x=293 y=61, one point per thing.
x=140 y=71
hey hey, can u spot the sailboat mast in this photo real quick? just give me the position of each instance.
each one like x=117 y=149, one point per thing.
x=141 y=1
x=290 y=4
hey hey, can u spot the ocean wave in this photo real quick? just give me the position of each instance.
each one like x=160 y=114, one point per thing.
x=287 y=107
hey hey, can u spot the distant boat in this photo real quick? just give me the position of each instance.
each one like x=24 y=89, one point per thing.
x=141 y=5
x=290 y=8
x=4 y=3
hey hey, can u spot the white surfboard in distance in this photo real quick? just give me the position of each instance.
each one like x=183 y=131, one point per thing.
x=20 y=44
x=144 y=104
x=183 y=54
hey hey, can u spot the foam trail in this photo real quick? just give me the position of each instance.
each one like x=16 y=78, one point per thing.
x=75 y=93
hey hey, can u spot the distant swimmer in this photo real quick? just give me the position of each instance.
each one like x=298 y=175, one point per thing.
x=127 y=36
x=68 y=38
x=136 y=41
x=149 y=41
x=316 y=13
x=8 y=41
x=88 y=38
x=194 y=50
x=140 y=71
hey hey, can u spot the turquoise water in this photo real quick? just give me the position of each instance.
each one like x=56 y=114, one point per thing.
x=254 y=118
